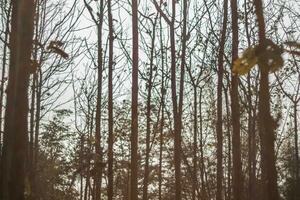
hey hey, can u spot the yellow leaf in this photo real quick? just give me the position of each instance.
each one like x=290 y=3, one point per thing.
x=293 y=44
x=244 y=64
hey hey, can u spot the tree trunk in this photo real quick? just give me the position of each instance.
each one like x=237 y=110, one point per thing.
x=297 y=175
x=3 y=79
x=194 y=184
x=98 y=149
x=202 y=164
x=237 y=182
x=110 y=105
x=16 y=138
x=134 y=103
x=251 y=145
x=148 y=114
x=228 y=134
x=219 y=122
x=163 y=92
x=266 y=123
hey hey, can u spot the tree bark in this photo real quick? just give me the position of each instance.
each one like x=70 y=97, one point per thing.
x=98 y=149
x=16 y=132
x=237 y=181
x=110 y=105
x=266 y=123
x=148 y=114
x=297 y=175
x=134 y=104
x=194 y=184
x=3 y=74
x=163 y=92
x=219 y=123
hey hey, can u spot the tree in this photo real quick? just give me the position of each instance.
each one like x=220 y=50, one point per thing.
x=134 y=104
x=266 y=122
x=15 y=138
x=148 y=123
x=110 y=104
x=237 y=181
x=219 y=123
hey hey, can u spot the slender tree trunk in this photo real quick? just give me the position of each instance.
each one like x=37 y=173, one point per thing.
x=219 y=123
x=89 y=143
x=163 y=92
x=15 y=138
x=110 y=105
x=250 y=137
x=297 y=175
x=31 y=138
x=3 y=74
x=148 y=114
x=134 y=103
x=251 y=145
x=32 y=167
x=251 y=124
x=202 y=164
x=195 y=149
x=237 y=181
x=178 y=139
x=160 y=177
x=37 y=117
x=228 y=134
x=98 y=149
x=177 y=108
x=81 y=166
x=266 y=122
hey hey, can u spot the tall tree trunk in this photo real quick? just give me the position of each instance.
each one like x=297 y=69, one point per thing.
x=251 y=145
x=89 y=116
x=16 y=138
x=201 y=143
x=30 y=163
x=251 y=124
x=161 y=141
x=219 y=123
x=81 y=166
x=297 y=175
x=237 y=181
x=134 y=103
x=3 y=74
x=37 y=124
x=266 y=123
x=229 y=144
x=177 y=127
x=98 y=149
x=110 y=105
x=195 y=149
x=148 y=114
x=163 y=92
x=177 y=107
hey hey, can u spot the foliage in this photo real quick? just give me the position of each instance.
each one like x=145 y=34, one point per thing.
x=55 y=162
x=267 y=55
